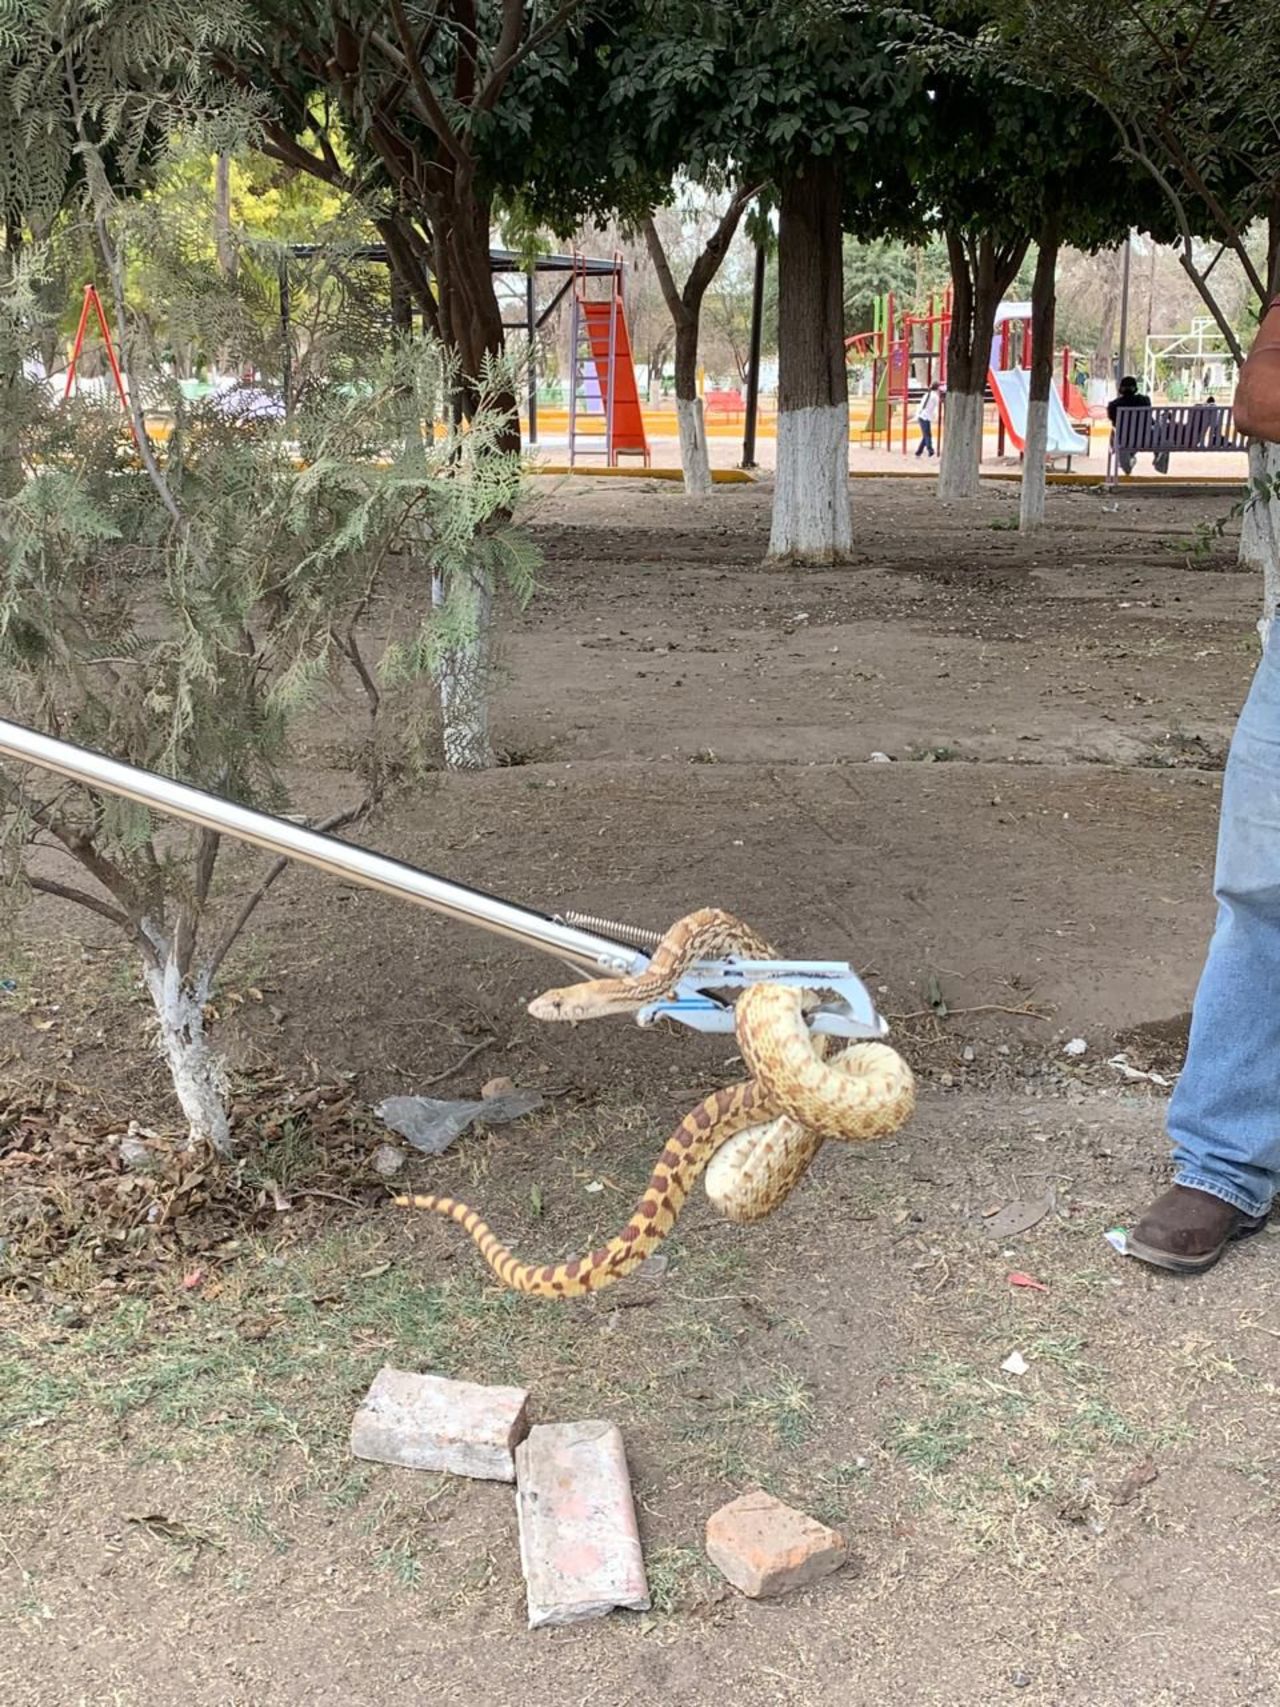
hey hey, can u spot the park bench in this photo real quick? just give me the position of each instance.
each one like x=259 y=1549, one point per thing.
x=726 y=403
x=1196 y=427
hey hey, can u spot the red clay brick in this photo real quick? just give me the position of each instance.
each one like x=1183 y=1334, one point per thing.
x=767 y=1548
x=424 y=1422
x=578 y=1541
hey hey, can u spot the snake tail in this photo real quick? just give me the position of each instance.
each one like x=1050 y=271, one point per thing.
x=690 y=1147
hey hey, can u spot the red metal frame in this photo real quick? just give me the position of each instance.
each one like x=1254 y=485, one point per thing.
x=94 y=301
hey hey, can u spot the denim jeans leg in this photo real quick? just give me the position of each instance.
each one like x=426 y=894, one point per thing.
x=1224 y=1115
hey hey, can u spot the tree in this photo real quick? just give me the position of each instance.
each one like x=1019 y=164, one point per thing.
x=999 y=165
x=390 y=100
x=804 y=97
x=691 y=233
x=183 y=623
x=685 y=306
x=1190 y=90
x=178 y=603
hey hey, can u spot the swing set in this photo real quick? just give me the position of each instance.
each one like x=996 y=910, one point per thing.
x=93 y=304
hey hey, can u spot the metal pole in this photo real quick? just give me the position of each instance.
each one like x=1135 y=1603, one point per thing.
x=1124 y=311
x=531 y=311
x=326 y=853
x=753 y=361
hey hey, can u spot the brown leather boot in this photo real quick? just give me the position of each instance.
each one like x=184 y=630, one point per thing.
x=1188 y=1230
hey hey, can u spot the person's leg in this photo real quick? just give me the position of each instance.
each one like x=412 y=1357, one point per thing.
x=1224 y=1115
x=924 y=437
x=926 y=427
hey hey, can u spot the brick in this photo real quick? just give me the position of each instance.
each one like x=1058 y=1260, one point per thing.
x=767 y=1548
x=424 y=1422
x=579 y=1547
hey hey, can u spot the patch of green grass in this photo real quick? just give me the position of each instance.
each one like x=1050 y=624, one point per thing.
x=675 y=1575
x=784 y=1404
x=402 y=1564
x=931 y=1444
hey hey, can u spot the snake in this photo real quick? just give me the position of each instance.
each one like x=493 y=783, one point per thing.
x=794 y=1100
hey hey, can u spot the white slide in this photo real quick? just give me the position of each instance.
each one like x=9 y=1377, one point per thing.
x=1010 y=387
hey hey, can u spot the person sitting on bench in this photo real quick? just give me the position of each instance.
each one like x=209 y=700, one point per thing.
x=1131 y=398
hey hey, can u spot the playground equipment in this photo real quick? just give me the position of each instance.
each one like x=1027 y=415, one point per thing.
x=598 y=945
x=908 y=353
x=1193 y=364
x=604 y=400
x=1010 y=384
x=504 y=264
x=93 y=304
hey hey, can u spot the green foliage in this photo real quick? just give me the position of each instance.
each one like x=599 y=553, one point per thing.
x=134 y=72
x=189 y=644
x=638 y=92
x=1189 y=90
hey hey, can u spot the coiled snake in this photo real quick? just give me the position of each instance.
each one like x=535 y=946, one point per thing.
x=758 y=1136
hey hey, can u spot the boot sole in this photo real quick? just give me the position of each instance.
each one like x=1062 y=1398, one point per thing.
x=1156 y=1258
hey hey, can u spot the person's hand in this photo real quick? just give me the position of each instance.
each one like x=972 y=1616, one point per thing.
x=1257 y=400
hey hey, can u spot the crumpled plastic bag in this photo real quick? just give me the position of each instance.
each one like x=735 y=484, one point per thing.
x=431 y=1125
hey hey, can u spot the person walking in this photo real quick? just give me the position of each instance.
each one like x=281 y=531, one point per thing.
x=1224 y=1115
x=926 y=415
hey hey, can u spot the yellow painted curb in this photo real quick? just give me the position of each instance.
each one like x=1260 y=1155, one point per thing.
x=719 y=476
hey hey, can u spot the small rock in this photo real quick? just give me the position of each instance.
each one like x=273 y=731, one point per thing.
x=134 y=1153
x=1018 y=1217
x=424 y=1422
x=1077 y=1046
x=946 y=1079
x=765 y=1547
x=499 y=1087
x=388 y=1160
x=881 y=759
x=1015 y=1364
x=968 y=1053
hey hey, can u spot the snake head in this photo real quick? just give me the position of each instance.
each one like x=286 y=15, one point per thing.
x=596 y=998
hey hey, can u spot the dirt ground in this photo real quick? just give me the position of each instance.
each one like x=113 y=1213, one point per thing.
x=180 y=1521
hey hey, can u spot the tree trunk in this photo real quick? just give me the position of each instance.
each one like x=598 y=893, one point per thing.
x=1036 y=444
x=199 y=1076
x=474 y=321
x=11 y=472
x=811 y=520
x=685 y=307
x=694 y=458
x=463 y=675
x=1101 y=377
x=224 y=248
x=982 y=269
x=1260 y=527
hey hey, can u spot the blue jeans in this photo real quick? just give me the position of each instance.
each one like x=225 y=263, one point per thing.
x=1224 y=1116
x=926 y=438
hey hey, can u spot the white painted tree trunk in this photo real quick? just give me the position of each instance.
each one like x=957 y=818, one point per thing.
x=694 y=458
x=961 y=445
x=1031 y=506
x=811 y=517
x=1260 y=527
x=463 y=681
x=199 y=1076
